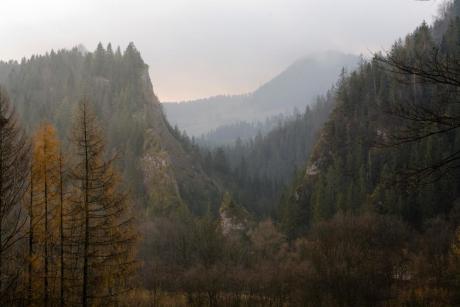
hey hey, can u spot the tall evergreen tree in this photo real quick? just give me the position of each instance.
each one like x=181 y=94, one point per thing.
x=106 y=238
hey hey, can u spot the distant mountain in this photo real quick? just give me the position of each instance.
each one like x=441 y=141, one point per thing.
x=295 y=87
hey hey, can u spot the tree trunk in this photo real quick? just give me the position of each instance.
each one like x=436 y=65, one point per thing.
x=86 y=212
x=61 y=231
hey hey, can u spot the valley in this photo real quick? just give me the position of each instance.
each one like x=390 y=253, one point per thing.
x=336 y=183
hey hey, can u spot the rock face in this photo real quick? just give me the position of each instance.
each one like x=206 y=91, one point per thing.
x=312 y=170
x=159 y=171
x=234 y=219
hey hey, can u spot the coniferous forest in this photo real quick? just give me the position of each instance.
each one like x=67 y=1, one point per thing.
x=353 y=200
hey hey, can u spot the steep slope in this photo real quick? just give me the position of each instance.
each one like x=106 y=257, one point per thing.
x=296 y=87
x=162 y=175
x=354 y=169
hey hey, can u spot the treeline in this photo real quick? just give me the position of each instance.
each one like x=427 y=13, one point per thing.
x=227 y=135
x=67 y=230
x=243 y=132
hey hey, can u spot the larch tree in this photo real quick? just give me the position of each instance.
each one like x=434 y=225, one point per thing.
x=106 y=238
x=14 y=171
x=45 y=207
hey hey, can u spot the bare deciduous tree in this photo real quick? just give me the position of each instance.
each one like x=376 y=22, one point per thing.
x=14 y=171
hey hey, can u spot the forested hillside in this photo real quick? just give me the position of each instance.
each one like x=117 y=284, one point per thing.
x=389 y=122
x=159 y=171
x=258 y=170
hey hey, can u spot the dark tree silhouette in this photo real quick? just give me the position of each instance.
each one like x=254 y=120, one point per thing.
x=14 y=171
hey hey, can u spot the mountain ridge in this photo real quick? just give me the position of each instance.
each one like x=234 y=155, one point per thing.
x=295 y=87
x=48 y=87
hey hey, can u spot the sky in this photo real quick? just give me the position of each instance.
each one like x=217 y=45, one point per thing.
x=201 y=48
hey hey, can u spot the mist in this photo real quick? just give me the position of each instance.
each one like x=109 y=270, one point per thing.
x=202 y=48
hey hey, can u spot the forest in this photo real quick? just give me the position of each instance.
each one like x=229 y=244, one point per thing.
x=352 y=201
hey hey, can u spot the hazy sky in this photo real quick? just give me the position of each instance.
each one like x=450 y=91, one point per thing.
x=198 y=48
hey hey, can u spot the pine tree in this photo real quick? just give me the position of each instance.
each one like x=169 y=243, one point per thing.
x=106 y=238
